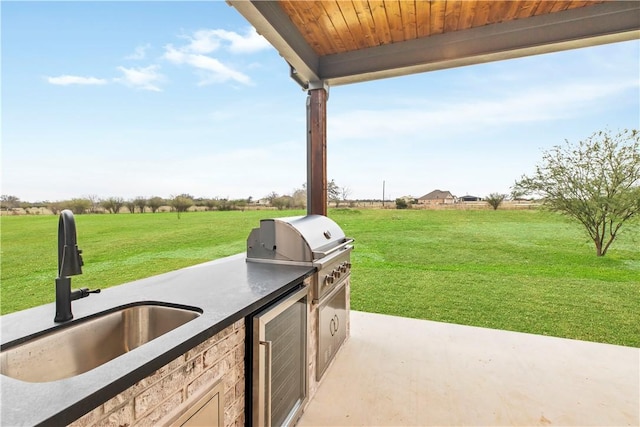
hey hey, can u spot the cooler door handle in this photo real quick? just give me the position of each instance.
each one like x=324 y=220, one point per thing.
x=267 y=374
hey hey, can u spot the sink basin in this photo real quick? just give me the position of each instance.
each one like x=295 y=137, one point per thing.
x=86 y=344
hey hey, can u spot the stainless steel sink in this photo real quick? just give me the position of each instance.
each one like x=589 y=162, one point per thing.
x=87 y=344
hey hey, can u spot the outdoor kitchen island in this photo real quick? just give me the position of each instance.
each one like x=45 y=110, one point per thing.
x=150 y=384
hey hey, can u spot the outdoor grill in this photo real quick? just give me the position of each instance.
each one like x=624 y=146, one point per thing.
x=313 y=240
x=281 y=343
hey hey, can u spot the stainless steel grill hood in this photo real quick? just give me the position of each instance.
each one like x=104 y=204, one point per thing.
x=300 y=239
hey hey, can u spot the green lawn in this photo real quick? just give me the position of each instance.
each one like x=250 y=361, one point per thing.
x=527 y=271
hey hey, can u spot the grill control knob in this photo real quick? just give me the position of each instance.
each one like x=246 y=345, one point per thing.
x=336 y=273
x=328 y=279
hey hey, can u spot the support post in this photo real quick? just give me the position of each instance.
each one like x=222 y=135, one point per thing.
x=317 y=150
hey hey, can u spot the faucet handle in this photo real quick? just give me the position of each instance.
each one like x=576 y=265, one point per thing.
x=84 y=292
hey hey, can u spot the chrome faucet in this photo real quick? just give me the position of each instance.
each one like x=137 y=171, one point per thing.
x=69 y=264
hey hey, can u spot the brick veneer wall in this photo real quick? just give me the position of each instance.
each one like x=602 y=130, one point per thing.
x=151 y=399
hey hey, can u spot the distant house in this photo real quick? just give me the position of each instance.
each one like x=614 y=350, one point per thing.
x=469 y=198
x=437 y=197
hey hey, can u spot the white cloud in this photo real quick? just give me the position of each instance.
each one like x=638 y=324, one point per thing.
x=250 y=42
x=139 y=53
x=201 y=43
x=214 y=71
x=75 y=80
x=145 y=78
x=207 y=41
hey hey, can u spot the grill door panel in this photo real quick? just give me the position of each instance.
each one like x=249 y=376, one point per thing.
x=332 y=327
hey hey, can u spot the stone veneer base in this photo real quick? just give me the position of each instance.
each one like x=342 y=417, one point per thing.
x=147 y=402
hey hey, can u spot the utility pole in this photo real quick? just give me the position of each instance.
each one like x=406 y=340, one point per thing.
x=383 y=193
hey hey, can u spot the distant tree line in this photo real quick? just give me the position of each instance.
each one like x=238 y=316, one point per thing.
x=92 y=204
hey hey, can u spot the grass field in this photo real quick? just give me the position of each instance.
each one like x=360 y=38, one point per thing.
x=528 y=271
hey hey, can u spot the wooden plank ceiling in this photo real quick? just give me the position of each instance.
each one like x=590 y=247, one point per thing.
x=334 y=42
x=338 y=26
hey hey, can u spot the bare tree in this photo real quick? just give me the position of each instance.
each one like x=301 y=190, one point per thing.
x=54 y=207
x=596 y=182
x=271 y=196
x=131 y=205
x=113 y=204
x=95 y=202
x=79 y=206
x=181 y=203
x=211 y=204
x=495 y=200
x=345 y=192
x=333 y=192
x=140 y=203
x=9 y=202
x=282 y=202
x=300 y=197
x=154 y=203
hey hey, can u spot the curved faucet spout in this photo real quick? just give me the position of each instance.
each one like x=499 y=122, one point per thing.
x=69 y=256
x=69 y=264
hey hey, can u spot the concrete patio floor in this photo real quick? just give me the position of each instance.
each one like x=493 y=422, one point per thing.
x=405 y=372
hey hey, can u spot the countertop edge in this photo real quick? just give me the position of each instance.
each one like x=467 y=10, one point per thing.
x=14 y=392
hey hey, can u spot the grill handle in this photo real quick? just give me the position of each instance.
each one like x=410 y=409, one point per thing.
x=345 y=245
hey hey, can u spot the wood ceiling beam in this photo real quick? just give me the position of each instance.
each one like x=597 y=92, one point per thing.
x=270 y=21
x=589 y=26
x=604 y=23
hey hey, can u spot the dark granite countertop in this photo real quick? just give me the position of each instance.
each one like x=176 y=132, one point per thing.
x=226 y=290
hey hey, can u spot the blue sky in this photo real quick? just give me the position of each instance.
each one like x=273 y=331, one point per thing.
x=159 y=98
